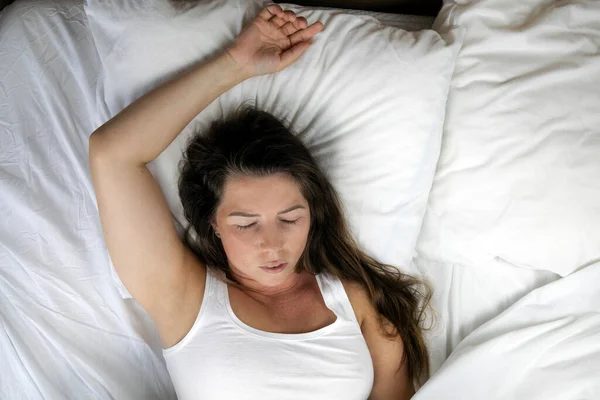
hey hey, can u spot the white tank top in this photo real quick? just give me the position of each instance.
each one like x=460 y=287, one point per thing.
x=222 y=358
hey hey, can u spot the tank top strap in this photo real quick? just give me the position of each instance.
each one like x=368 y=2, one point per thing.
x=218 y=288
x=335 y=296
x=209 y=298
x=210 y=280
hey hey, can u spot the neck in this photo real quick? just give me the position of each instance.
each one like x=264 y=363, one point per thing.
x=267 y=294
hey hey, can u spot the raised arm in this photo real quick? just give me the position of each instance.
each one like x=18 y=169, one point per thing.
x=152 y=262
x=139 y=133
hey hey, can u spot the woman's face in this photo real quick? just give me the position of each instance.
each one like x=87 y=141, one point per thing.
x=263 y=221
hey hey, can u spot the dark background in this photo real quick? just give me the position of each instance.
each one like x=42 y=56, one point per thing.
x=415 y=7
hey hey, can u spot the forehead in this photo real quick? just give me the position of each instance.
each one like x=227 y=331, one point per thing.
x=249 y=192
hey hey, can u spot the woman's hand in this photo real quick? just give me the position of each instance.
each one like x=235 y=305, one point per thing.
x=272 y=41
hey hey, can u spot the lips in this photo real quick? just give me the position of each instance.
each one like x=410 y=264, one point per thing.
x=273 y=264
x=275 y=269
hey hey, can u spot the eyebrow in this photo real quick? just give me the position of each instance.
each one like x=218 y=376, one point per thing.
x=244 y=214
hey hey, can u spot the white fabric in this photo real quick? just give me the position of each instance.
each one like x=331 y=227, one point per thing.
x=518 y=181
x=329 y=363
x=546 y=346
x=65 y=331
x=464 y=298
x=368 y=100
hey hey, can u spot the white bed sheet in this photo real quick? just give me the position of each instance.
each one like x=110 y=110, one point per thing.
x=65 y=331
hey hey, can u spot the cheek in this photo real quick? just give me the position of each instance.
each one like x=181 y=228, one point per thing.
x=241 y=246
x=301 y=238
x=295 y=242
x=238 y=247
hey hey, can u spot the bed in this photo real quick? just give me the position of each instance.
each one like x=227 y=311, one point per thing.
x=513 y=321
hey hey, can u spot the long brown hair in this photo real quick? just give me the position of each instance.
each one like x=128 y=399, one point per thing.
x=253 y=142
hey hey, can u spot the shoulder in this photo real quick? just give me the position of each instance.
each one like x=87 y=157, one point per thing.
x=368 y=317
x=179 y=303
x=387 y=353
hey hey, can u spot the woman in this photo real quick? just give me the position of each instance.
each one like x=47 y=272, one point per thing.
x=272 y=298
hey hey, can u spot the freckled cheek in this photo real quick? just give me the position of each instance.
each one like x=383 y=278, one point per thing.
x=245 y=243
x=238 y=244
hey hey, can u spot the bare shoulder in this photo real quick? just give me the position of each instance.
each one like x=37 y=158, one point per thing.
x=366 y=313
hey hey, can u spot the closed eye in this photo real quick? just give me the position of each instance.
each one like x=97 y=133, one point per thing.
x=242 y=227
x=285 y=221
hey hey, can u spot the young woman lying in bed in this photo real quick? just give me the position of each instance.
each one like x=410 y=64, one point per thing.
x=272 y=298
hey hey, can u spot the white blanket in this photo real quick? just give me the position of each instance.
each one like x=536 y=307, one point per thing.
x=464 y=298
x=546 y=346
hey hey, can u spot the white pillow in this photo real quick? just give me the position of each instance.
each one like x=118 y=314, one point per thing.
x=368 y=100
x=518 y=180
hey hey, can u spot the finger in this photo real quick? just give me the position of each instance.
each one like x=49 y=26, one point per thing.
x=289 y=28
x=301 y=23
x=305 y=35
x=277 y=21
x=269 y=11
x=289 y=15
x=292 y=54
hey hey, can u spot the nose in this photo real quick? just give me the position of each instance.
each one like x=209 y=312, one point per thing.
x=270 y=239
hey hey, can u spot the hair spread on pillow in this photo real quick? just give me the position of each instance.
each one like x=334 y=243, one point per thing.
x=255 y=143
